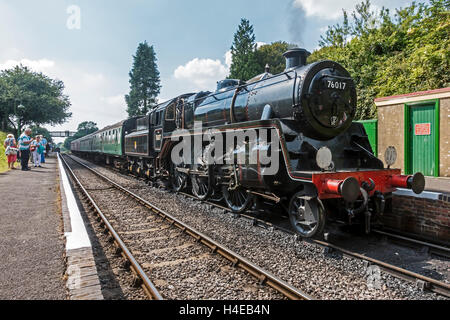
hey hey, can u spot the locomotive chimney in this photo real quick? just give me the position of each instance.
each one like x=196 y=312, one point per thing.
x=296 y=58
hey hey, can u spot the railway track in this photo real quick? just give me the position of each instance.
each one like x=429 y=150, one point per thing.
x=157 y=216
x=423 y=282
x=432 y=248
x=146 y=284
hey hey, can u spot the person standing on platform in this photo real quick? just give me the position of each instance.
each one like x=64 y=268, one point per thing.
x=37 y=149
x=44 y=143
x=48 y=148
x=10 y=145
x=24 y=147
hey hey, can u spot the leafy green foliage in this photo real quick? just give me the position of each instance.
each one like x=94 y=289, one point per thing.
x=244 y=63
x=86 y=128
x=144 y=81
x=389 y=55
x=31 y=98
x=272 y=54
x=83 y=130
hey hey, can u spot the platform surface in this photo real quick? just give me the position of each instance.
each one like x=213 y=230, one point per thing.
x=438 y=184
x=31 y=235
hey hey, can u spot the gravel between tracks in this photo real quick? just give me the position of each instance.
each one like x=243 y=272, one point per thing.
x=179 y=267
x=303 y=265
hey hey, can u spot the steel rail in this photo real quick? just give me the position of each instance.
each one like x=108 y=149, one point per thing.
x=147 y=284
x=263 y=276
x=431 y=284
x=435 y=248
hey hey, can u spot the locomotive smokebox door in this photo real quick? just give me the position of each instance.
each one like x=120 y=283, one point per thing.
x=327 y=98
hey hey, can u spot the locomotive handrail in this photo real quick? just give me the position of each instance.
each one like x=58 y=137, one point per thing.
x=233 y=101
x=337 y=77
x=295 y=87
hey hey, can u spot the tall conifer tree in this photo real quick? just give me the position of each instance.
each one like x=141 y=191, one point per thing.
x=244 y=64
x=144 y=81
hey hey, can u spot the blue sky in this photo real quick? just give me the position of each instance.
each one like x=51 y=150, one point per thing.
x=191 y=39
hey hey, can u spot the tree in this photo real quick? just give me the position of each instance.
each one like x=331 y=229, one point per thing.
x=144 y=81
x=388 y=55
x=244 y=63
x=31 y=98
x=84 y=129
x=272 y=54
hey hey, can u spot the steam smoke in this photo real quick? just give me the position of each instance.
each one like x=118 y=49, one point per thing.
x=296 y=24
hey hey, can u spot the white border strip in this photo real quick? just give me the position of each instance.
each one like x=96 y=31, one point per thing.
x=78 y=238
x=424 y=195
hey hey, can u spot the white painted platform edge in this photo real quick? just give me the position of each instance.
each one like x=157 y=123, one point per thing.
x=78 y=238
x=424 y=195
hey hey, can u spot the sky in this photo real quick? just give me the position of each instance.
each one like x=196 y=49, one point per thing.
x=89 y=44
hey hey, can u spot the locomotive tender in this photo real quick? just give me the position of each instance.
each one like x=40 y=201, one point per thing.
x=326 y=166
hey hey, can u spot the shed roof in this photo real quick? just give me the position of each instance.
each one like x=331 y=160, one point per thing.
x=414 y=96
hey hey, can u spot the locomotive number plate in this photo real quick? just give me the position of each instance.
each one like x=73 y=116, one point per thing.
x=340 y=85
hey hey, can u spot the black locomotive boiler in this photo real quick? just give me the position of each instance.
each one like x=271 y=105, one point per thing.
x=326 y=166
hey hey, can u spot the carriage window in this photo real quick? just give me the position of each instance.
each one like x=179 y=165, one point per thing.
x=170 y=112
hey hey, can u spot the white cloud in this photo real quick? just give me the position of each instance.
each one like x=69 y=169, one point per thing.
x=259 y=44
x=203 y=73
x=332 y=9
x=92 y=79
x=118 y=100
x=41 y=65
x=228 y=59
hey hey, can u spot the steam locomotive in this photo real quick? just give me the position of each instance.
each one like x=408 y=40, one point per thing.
x=301 y=120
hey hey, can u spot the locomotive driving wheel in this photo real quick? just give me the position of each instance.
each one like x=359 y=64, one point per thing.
x=201 y=187
x=307 y=215
x=178 y=178
x=201 y=177
x=238 y=199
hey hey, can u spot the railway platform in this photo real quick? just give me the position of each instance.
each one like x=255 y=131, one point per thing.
x=441 y=184
x=44 y=247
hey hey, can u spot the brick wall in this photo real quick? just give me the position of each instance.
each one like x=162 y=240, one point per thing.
x=426 y=218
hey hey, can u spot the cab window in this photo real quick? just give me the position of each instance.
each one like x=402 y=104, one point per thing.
x=170 y=112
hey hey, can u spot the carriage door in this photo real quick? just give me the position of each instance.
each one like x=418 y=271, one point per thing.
x=423 y=139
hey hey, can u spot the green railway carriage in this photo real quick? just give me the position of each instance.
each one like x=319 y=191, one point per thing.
x=106 y=142
x=109 y=140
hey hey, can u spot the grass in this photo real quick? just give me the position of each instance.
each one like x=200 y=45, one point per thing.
x=3 y=160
